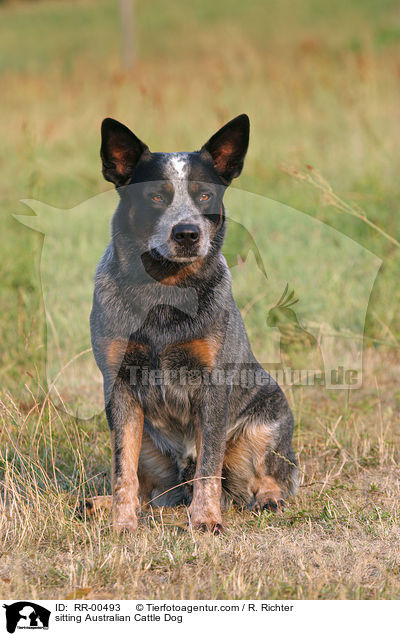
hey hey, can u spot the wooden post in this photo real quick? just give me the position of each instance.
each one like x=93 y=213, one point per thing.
x=127 y=33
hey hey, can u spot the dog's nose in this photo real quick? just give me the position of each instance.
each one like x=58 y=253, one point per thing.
x=185 y=234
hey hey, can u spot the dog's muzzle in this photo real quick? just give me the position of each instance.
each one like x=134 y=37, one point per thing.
x=186 y=237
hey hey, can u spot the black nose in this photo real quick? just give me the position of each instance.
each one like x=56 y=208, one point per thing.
x=185 y=234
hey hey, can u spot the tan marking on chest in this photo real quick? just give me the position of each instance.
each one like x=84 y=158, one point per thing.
x=205 y=350
x=118 y=348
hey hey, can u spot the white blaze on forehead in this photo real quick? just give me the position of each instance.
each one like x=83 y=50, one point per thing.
x=178 y=165
x=182 y=209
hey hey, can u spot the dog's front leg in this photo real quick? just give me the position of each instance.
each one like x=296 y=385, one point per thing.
x=125 y=417
x=205 y=509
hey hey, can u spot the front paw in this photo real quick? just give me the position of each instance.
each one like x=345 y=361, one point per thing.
x=210 y=526
x=207 y=521
x=125 y=517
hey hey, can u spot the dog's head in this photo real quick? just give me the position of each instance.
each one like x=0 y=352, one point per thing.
x=173 y=201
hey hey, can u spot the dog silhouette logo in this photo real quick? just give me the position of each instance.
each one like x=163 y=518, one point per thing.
x=26 y=615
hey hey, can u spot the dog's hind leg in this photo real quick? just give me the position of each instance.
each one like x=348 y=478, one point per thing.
x=260 y=468
x=158 y=476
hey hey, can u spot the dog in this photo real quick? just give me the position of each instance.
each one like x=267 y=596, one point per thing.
x=212 y=426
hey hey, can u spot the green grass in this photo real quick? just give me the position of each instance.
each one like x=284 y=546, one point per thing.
x=320 y=82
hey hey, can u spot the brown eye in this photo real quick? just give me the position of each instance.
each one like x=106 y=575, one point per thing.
x=204 y=196
x=157 y=198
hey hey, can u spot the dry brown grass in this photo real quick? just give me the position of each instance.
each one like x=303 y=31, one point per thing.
x=338 y=538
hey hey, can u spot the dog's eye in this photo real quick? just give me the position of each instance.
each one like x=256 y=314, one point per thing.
x=204 y=196
x=157 y=198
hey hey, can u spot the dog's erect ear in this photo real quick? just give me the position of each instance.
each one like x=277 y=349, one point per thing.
x=120 y=151
x=228 y=148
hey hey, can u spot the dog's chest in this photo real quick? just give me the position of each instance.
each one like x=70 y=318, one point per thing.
x=164 y=380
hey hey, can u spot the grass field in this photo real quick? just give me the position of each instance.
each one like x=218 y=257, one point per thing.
x=321 y=84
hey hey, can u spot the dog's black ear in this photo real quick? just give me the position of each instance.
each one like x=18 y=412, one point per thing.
x=228 y=148
x=120 y=151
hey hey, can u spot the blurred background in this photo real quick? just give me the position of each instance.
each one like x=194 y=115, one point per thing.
x=320 y=82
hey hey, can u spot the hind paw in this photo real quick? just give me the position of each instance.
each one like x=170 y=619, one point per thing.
x=271 y=504
x=95 y=506
x=268 y=495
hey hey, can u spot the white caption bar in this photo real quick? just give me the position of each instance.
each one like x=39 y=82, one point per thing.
x=150 y=617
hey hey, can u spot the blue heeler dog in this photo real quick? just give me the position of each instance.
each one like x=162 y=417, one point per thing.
x=193 y=416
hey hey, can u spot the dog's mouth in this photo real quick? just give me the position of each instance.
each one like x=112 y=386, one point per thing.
x=156 y=255
x=183 y=256
x=159 y=266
